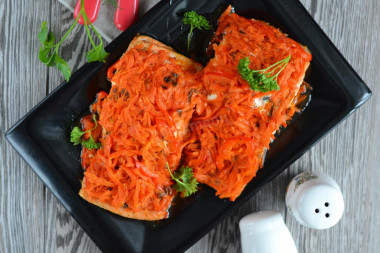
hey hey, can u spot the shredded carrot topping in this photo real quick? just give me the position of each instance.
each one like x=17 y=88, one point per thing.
x=162 y=107
x=144 y=123
x=238 y=124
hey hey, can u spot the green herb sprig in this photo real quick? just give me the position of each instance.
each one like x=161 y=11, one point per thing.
x=261 y=80
x=76 y=137
x=185 y=181
x=49 y=52
x=195 y=21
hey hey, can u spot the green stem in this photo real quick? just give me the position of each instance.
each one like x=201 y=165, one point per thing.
x=68 y=32
x=172 y=176
x=286 y=61
x=85 y=17
x=97 y=34
x=189 y=37
x=86 y=21
x=273 y=70
x=88 y=31
x=275 y=76
x=280 y=64
x=96 y=124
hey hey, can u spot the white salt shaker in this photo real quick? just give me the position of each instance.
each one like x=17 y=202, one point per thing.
x=265 y=232
x=315 y=200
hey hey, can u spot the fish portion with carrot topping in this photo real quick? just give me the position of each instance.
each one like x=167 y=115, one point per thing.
x=250 y=87
x=165 y=110
x=142 y=125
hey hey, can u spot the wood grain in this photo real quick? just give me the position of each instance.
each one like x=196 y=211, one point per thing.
x=22 y=86
x=32 y=220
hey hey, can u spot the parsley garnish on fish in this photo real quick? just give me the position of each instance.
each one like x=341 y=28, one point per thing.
x=76 y=137
x=260 y=80
x=185 y=181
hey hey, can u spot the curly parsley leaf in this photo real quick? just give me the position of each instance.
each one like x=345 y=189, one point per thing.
x=91 y=144
x=261 y=80
x=185 y=181
x=195 y=21
x=76 y=137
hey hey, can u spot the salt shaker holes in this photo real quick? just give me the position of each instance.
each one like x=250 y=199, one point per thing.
x=315 y=200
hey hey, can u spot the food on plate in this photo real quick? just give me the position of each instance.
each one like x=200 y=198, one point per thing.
x=240 y=118
x=143 y=125
x=168 y=123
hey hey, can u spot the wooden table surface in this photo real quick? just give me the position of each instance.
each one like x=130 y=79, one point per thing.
x=32 y=220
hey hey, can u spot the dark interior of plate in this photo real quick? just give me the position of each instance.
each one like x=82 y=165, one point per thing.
x=42 y=136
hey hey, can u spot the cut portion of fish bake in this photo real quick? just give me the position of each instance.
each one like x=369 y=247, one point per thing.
x=143 y=125
x=238 y=123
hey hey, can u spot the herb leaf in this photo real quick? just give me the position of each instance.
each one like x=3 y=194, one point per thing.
x=97 y=54
x=49 y=41
x=45 y=57
x=76 y=137
x=48 y=53
x=43 y=34
x=195 y=21
x=185 y=181
x=261 y=80
x=91 y=144
x=62 y=65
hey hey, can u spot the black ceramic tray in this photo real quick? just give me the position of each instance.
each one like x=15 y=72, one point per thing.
x=42 y=136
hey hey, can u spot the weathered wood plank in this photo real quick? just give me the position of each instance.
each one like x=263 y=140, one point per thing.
x=22 y=86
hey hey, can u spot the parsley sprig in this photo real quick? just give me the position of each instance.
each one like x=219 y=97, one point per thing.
x=195 y=21
x=76 y=137
x=185 y=181
x=49 y=52
x=261 y=80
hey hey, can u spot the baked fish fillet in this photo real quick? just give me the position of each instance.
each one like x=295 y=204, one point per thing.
x=144 y=123
x=238 y=124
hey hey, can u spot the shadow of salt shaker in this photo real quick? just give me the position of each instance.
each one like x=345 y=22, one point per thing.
x=265 y=232
x=315 y=200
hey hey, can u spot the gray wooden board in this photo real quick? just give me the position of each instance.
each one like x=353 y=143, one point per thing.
x=32 y=220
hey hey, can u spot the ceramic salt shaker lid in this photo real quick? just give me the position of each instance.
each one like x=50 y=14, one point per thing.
x=315 y=200
x=265 y=231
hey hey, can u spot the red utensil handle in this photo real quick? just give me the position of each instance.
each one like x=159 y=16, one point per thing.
x=126 y=13
x=91 y=7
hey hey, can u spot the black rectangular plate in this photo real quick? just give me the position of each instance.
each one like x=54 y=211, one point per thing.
x=42 y=136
